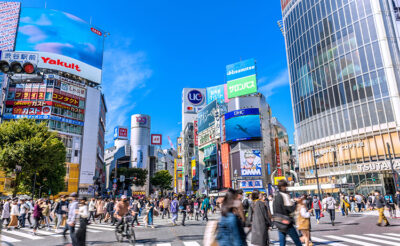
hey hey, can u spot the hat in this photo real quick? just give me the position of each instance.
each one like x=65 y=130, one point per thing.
x=73 y=194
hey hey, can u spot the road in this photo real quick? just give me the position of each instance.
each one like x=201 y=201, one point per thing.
x=357 y=229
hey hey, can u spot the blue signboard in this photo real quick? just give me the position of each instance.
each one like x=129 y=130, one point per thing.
x=240 y=69
x=206 y=117
x=43 y=117
x=216 y=93
x=242 y=124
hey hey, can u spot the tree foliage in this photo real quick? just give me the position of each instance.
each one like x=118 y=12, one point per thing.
x=162 y=179
x=133 y=176
x=37 y=151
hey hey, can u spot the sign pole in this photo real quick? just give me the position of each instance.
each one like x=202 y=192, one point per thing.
x=316 y=173
x=391 y=165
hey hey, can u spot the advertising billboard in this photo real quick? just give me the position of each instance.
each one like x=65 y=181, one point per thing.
x=156 y=139
x=206 y=117
x=56 y=32
x=250 y=163
x=9 y=16
x=195 y=133
x=242 y=86
x=243 y=124
x=179 y=147
x=120 y=132
x=240 y=69
x=226 y=171
x=193 y=164
x=250 y=184
x=218 y=93
x=193 y=99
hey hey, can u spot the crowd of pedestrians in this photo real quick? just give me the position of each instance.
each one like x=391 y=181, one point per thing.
x=249 y=219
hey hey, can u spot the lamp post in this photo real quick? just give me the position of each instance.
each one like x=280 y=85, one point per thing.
x=316 y=171
x=391 y=165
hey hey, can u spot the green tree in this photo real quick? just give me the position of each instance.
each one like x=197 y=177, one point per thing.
x=162 y=179
x=133 y=176
x=37 y=151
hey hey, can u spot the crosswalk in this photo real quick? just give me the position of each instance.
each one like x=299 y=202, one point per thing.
x=384 y=239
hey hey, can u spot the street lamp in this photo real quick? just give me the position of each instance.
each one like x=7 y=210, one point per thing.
x=316 y=171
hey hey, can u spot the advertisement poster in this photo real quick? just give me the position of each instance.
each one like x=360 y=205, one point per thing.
x=242 y=124
x=242 y=86
x=250 y=163
x=193 y=100
x=206 y=117
x=120 y=132
x=250 y=184
x=196 y=135
x=193 y=163
x=60 y=33
x=216 y=93
x=9 y=16
x=241 y=69
x=226 y=171
x=156 y=139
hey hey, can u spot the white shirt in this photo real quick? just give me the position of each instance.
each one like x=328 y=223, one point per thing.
x=304 y=213
x=14 y=210
x=83 y=211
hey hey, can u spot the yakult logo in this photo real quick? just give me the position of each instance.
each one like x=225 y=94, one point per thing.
x=58 y=62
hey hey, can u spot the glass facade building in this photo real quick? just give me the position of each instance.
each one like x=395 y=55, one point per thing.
x=343 y=59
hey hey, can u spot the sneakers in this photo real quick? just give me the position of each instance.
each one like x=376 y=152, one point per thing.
x=317 y=221
x=378 y=224
x=387 y=224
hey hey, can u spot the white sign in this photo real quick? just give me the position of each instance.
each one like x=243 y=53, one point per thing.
x=156 y=139
x=71 y=89
x=9 y=17
x=193 y=100
x=378 y=166
x=122 y=178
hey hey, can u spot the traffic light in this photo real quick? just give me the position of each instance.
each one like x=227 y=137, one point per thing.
x=17 y=67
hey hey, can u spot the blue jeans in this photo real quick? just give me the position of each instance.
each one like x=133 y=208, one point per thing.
x=292 y=233
x=22 y=218
x=317 y=213
x=174 y=217
x=150 y=218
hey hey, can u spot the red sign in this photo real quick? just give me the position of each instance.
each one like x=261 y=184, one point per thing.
x=67 y=107
x=21 y=110
x=196 y=135
x=278 y=157
x=65 y=99
x=28 y=103
x=156 y=139
x=226 y=176
x=96 y=31
x=58 y=62
x=123 y=132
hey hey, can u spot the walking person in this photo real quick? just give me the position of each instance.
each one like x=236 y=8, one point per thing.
x=174 y=210
x=150 y=213
x=23 y=210
x=5 y=214
x=30 y=212
x=344 y=205
x=46 y=213
x=14 y=214
x=183 y=203
x=73 y=211
x=100 y=209
x=379 y=203
x=205 y=206
x=83 y=213
x=135 y=211
x=316 y=205
x=303 y=220
x=61 y=212
x=230 y=230
x=259 y=219
x=359 y=200
x=92 y=210
x=166 y=205
x=330 y=205
x=196 y=207
x=283 y=208
x=37 y=215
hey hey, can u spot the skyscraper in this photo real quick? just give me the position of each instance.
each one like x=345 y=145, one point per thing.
x=343 y=59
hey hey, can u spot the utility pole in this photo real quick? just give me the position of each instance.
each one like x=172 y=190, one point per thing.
x=316 y=173
x=391 y=165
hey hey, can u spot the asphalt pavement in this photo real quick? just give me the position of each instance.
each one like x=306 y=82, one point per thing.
x=356 y=229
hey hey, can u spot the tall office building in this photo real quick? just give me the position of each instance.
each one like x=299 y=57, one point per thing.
x=343 y=58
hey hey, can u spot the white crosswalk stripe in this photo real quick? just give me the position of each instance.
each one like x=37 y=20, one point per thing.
x=320 y=240
x=8 y=239
x=364 y=237
x=163 y=244
x=342 y=238
x=191 y=243
x=22 y=234
x=385 y=237
x=42 y=232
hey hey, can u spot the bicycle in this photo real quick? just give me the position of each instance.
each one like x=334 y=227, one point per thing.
x=126 y=230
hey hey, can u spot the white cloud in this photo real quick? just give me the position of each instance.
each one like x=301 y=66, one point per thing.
x=124 y=72
x=269 y=88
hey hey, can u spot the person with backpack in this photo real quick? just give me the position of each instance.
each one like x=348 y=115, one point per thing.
x=246 y=204
x=390 y=205
x=229 y=230
x=283 y=219
x=259 y=219
x=174 y=210
x=196 y=207
x=316 y=205
x=23 y=210
x=330 y=205
x=183 y=203
x=135 y=211
x=166 y=205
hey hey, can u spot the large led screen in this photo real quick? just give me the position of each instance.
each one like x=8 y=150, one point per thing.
x=242 y=124
x=52 y=31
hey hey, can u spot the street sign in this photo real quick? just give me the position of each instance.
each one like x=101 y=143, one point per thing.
x=115 y=181
x=122 y=178
x=114 y=186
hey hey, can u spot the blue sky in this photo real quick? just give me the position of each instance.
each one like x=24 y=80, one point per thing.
x=156 y=48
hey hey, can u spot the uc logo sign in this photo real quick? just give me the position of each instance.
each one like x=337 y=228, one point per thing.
x=195 y=97
x=141 y=120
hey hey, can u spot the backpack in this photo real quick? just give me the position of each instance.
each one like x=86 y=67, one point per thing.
x=330 y=202
x=246 y=204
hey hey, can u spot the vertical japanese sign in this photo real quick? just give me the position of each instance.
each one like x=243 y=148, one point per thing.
x=9 y=17
x=278 y=157
x=226 y=172
x=196 y=135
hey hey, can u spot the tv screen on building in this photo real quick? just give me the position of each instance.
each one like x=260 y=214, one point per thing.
x=242 y=124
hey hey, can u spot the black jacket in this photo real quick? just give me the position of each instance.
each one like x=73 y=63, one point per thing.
x=279 y=206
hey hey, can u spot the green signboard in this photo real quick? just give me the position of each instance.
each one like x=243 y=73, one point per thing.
x=242 y=86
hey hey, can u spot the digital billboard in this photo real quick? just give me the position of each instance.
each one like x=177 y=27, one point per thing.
x=250 y=163
x=63 y=41
x=218 y=93
x=242 y=86
x=9 y=14
x=243 y=124
x=206 y=117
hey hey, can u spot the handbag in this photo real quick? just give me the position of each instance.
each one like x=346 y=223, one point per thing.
x=322 y=215
x=282 y=222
